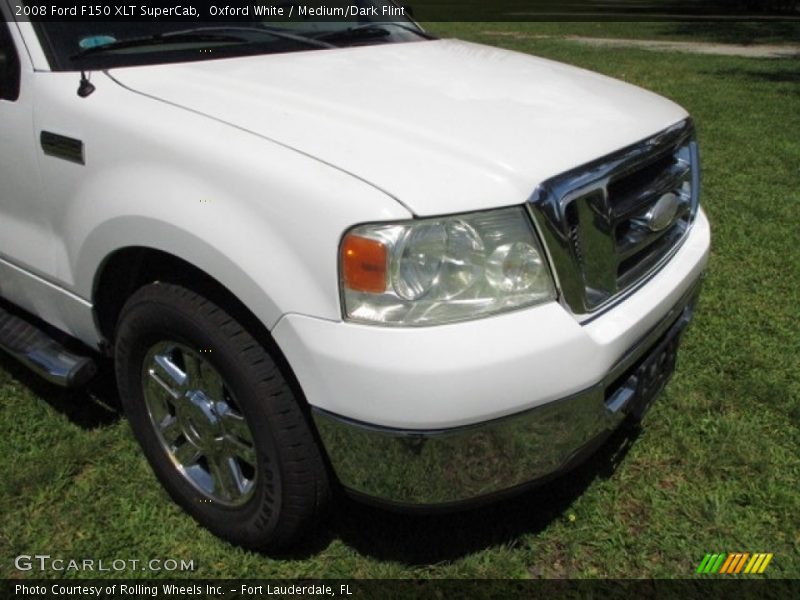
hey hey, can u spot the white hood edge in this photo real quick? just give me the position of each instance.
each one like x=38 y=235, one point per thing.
x=443 y=126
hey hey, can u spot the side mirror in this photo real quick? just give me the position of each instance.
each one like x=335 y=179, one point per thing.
x=9 y=76
x=3 y=73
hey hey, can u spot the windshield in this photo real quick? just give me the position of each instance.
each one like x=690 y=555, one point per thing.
x=78 y=45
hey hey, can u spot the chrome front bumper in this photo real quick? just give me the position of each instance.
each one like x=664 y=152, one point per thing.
x=440 y=467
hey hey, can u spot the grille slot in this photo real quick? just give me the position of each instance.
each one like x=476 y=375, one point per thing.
x=632 y=199
x=629 y=193
x=611 y=223
x=628 y=187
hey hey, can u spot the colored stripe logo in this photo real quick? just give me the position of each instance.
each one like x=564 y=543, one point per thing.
x=734 y=563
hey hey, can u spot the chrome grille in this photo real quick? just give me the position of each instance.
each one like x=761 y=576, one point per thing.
x=611 y=223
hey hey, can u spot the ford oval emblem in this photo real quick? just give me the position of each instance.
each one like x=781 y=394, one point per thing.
x=662 y=213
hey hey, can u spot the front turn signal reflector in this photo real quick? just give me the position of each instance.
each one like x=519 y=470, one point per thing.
x=364 y=264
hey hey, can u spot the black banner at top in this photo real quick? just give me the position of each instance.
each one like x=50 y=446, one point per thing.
x=420 y=10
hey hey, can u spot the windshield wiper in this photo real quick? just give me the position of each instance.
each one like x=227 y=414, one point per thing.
x=272 y=31
x=199 y=34
x=371 y=29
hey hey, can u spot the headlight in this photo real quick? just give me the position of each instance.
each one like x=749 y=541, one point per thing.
x=432 y=271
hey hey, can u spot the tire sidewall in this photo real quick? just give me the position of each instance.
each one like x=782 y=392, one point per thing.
x=146 y=323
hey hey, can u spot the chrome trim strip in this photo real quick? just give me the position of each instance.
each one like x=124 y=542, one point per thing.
x=434 y=467
x=439 y=467
x=42 y=354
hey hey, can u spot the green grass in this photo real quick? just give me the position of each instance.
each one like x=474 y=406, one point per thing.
x=740 y=32
x=714 y=469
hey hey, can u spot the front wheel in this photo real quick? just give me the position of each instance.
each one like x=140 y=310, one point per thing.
x=217 y=419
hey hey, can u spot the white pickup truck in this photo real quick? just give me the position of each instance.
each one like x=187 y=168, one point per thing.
x=340 y=256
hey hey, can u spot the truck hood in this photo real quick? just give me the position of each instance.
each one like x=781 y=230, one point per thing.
x=442 y=126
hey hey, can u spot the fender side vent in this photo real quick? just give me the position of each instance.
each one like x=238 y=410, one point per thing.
x=61 y=146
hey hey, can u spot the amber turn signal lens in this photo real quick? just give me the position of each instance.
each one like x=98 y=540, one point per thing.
x=364 y=264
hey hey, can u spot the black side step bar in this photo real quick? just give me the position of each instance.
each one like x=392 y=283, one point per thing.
x=40 y=352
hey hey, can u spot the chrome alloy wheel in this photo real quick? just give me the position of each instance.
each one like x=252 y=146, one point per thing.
x=199 y=423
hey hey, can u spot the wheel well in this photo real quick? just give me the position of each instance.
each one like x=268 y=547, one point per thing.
x=129 y=269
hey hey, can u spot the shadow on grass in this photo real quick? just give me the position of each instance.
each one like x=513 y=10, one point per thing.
x=739 y=32
x=412 y=539
x=95 y=405
x=418 y=540
x=787 y=78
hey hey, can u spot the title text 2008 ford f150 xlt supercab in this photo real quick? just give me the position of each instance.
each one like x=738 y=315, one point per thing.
x=426 y=271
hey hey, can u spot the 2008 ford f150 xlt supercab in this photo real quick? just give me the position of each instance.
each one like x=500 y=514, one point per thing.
x=425 y=270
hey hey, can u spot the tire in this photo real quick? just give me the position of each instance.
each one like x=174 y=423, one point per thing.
x=217 y=419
